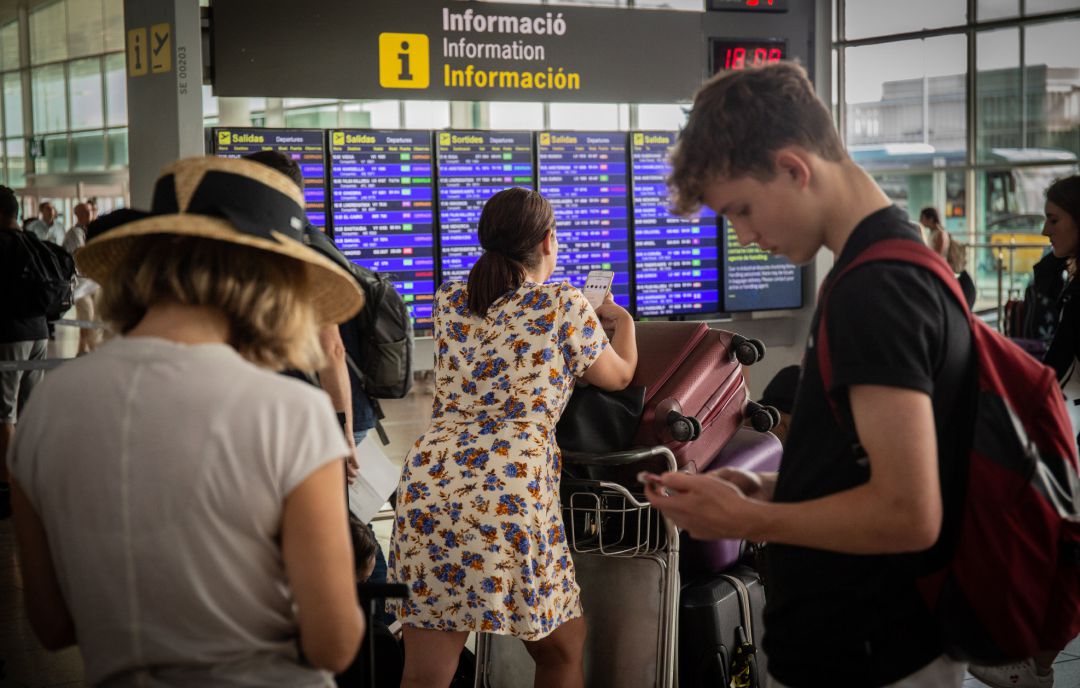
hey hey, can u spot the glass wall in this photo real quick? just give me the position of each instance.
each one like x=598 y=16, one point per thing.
x=75 y=85
x=983 y=159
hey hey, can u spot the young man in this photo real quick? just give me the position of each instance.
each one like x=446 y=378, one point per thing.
x=863 y=505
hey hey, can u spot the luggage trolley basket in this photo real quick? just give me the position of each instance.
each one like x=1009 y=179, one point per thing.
x=626 y=559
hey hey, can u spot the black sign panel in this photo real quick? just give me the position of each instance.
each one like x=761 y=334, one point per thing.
x=305 y=146
x=584 y=175
x=677 y=261
x=383 y=216
x=434 y=50
x=755 y=280
x=473 y=166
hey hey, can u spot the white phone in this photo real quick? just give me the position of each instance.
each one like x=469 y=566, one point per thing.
x=597 y=286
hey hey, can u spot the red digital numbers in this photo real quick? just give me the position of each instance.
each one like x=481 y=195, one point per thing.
x=757 y=3
x=741 y=57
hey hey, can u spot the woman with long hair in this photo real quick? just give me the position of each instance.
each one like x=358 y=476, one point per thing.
x=938 y=237
x=184 y=523
x=478 y=535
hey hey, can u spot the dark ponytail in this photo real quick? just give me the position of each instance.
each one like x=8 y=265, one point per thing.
x=512 y=225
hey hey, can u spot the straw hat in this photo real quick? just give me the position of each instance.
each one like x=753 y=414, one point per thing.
x=232 y=200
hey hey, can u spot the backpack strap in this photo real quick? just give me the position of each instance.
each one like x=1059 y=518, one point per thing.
x=891 y=250
x=376 y=407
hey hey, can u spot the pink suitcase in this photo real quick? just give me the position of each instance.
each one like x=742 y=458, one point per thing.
x=695 y=392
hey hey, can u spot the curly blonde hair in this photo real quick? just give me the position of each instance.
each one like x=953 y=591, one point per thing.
x=265 y=297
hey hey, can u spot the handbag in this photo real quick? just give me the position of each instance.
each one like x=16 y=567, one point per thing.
x=597 y=421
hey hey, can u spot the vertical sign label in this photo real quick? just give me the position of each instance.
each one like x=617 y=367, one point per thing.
x=474 y=166
x=584 y=175
x=677 y=260
x=160 y=48
x=137 y=58
x=305 y=146
x=381 y=186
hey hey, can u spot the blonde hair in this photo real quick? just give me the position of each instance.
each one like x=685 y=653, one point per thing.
x=266 y=297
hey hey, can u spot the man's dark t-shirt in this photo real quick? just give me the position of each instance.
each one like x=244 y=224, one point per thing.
x=17 y=329
x=857 y=620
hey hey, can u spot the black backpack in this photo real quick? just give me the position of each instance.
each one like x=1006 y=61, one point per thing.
x=39 y=280
x=383 y=360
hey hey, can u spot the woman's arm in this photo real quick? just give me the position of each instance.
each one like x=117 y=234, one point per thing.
x=45 y=605
x=319 y=565
x=614 y=368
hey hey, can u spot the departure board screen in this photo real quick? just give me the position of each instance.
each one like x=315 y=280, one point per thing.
x=677 y=260
x=755 y=280
x=473 y=166
x=584 y=176
x=305 y=146
x=381 y=199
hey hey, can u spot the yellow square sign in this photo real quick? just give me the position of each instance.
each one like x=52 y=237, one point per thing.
x=404 y=60
x=639 y=139
x=338 y=138
x=444 y=138
x=137 y=59
x=160 y=48
x=545 y=139
x=224 y=138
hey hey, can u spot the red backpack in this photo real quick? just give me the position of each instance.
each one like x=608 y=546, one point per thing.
x=1012 y=586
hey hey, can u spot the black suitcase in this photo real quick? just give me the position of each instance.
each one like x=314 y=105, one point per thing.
x=720 y=628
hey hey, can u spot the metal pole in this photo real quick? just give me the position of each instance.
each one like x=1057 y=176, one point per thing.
x=1000 y=284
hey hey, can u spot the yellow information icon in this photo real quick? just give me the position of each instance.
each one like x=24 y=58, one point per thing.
x=338 y=138
x=444 y=138
x=404 y=60
x=224 y=138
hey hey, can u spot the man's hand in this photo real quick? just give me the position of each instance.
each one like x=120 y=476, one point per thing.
x=706 y=506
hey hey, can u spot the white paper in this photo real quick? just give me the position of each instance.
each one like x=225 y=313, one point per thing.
x=377 y=480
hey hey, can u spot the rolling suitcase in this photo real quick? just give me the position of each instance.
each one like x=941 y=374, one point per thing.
x=720 y=629
x=695 y=393
x=749 y=450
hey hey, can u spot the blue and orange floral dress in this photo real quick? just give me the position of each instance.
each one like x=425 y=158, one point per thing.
x=478 y=534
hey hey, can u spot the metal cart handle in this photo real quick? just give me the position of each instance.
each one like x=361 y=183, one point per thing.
x=621 y=458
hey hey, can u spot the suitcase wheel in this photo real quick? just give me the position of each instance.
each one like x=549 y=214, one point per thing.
x=747 y=351
x=683 y=428
x=762 y=418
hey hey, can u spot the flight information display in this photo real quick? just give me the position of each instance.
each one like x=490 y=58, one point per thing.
x=382 y=209
x=584 y=176
x=305 y=146
x=755 y=280
x=473 y=166
x=676 y=259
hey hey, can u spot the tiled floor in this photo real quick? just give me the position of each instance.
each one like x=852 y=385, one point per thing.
x=24 y=664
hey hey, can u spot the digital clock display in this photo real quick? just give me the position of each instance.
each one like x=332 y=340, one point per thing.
x=737 y=54
x=748 y=5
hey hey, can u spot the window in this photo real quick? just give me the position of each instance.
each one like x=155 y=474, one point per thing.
x=115 y=89
x=50 y=99
x=116 y=142
x=9 y=46
x=13 y=104
x=427 y=114
x=880 y=17
x=86 y=27
x=56 y=155
x=48 y=34
x=587 y=116
x=998 y=9
x=662 y=117
x=84 y=94
x=16 y=162
x=1043 y=6
x=88 y=151
x=317 y=118
x=910 y=93
x=516 y=115
x=113 y=20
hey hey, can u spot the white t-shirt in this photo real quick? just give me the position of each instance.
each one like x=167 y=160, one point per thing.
x=161 y=489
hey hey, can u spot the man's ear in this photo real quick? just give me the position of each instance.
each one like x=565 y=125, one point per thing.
x=794 y=164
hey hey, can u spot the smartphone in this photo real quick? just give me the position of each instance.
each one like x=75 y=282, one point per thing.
x=597 y=286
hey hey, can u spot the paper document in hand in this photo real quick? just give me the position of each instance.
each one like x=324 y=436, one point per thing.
x=377 y=480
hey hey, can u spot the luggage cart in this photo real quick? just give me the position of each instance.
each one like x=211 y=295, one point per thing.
x=626 y=557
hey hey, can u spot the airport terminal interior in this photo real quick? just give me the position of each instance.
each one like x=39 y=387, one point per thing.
x=405 y=116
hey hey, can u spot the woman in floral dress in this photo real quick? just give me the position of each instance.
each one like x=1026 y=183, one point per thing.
x=478 y=534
